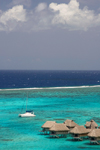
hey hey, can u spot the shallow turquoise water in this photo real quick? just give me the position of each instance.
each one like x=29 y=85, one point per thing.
x=78 y=104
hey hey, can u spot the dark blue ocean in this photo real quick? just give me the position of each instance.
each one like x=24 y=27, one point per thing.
x=29 y=79
x=53 y=96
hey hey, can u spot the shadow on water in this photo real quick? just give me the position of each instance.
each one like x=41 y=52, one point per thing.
x=54 y=137
x=7 y=140
x=73 y=140
x=91 y=144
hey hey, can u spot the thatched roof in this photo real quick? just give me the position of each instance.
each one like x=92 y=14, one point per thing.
x=48 y=124
x=79 y=130
x=94 y=133
x=91 y=124
x=59 y=127
x=70 y=123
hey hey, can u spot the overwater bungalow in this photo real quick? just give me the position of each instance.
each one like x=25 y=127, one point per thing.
x=91 y=124
x=46 y=126
x=94 y=136
x=79 y=131
x=70 y=123
x=59 y=130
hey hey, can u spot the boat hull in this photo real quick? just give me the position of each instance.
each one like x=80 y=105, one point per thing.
x=27 y=115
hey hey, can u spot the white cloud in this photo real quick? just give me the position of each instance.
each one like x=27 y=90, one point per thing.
x=41 y=7
x=71 y=16
x=17 y=13
x=66 y=16
x=12 y=17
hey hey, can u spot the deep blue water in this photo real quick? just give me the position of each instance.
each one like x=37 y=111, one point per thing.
x=27 y=79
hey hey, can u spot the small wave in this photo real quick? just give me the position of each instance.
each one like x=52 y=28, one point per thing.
x=39 y=88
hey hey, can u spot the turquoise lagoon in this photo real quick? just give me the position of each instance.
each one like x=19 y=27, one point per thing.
x=80 y=104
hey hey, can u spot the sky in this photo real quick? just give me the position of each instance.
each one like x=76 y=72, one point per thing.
x=50 y=35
